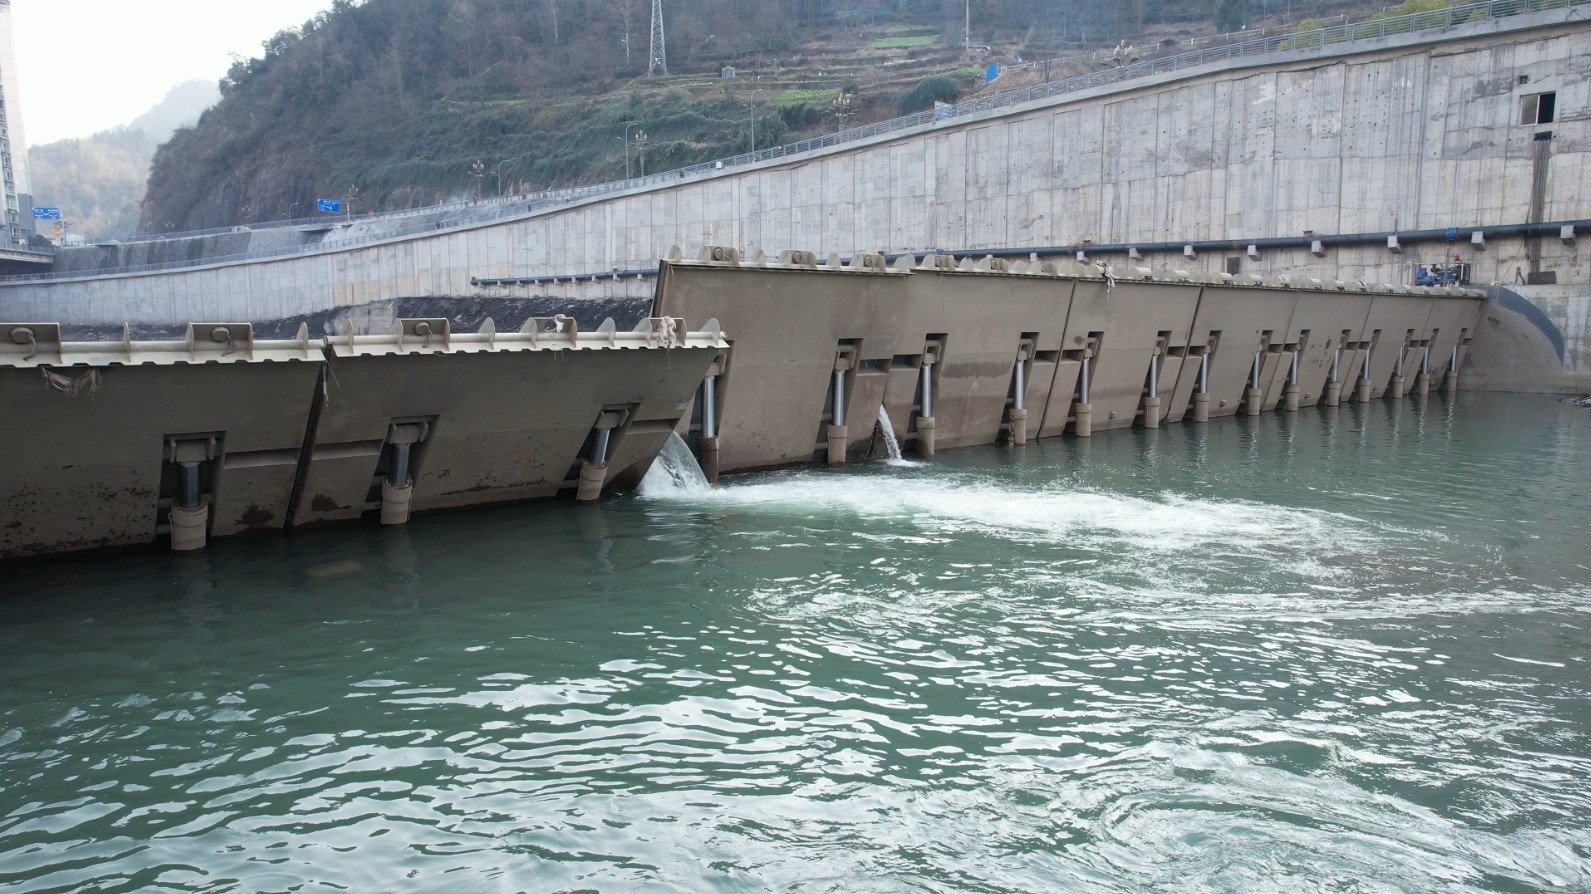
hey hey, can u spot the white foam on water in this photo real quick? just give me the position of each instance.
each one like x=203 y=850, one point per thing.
x=963 y=504
x=674 y=473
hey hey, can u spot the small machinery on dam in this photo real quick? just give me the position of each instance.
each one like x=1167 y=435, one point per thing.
x=974 y=351
x=123 y=443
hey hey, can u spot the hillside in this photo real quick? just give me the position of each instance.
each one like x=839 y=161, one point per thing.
x=98 y=181
x=398 y=103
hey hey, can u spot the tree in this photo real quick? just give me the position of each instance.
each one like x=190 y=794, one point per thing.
x=1231 y=15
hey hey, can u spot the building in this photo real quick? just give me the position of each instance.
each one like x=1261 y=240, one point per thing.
x=13 y=141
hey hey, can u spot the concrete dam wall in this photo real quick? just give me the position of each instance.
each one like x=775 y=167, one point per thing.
x=1242 y=166
x=975 y=352
x=126 y=443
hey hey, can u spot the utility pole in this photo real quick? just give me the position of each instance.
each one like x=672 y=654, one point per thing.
x=966 y=32
x=658 y=64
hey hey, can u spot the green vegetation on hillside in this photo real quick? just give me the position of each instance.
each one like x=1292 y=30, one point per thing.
x=400 y=103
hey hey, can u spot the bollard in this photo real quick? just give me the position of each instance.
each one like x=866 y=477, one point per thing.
x=925 y=435
x=591 y=480
x=1151 y=412
x=189 y=525
x=838 y=435
x=707 y=458
x=395 y=503
x=1019 y=426
x=1083 y=427
x=1201 y=408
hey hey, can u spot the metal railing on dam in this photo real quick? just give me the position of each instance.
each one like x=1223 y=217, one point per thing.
x=448 y=216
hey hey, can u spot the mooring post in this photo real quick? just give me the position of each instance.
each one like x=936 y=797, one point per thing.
x=925 y=418
x=1290 y=393
x=838 y=434
x=1334 y=385
x=707 y=441
x=1083 y=413
x=1152 y=399
x=1255 y=396
x=1019 y=410
x=1201 y=399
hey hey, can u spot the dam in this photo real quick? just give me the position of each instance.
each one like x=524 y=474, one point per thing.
x=1185 y=240
x=1208 y=556
x=221 y=434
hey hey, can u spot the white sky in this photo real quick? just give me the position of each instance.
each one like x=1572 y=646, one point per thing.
x=88 y=65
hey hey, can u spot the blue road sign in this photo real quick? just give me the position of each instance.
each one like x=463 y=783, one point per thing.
x=992 y=73
x=46 y=213
x=328 y=206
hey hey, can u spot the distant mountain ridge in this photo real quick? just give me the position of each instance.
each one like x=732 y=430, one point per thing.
x=98 y=182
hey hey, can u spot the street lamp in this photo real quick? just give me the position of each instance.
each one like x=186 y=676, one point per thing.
x=503 y=165
x=640 y=150
x=478 y=169
x=290 y=209
x=841 y=108
x=753 y=103
x=627 y=126
x=348 y=197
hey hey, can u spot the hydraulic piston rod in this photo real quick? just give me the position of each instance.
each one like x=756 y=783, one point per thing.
x=839 y=397
x=709 y=407
x=399 y=474
x=189 y=498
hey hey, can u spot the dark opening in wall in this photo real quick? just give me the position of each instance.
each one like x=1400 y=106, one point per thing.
x=1538 y=108
x=1234 y=266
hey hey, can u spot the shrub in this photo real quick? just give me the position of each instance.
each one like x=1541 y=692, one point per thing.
x=924 y=95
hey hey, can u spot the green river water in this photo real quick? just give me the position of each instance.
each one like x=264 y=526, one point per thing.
x=1344 y=650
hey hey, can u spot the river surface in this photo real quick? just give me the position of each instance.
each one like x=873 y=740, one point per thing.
x=1340 y=651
